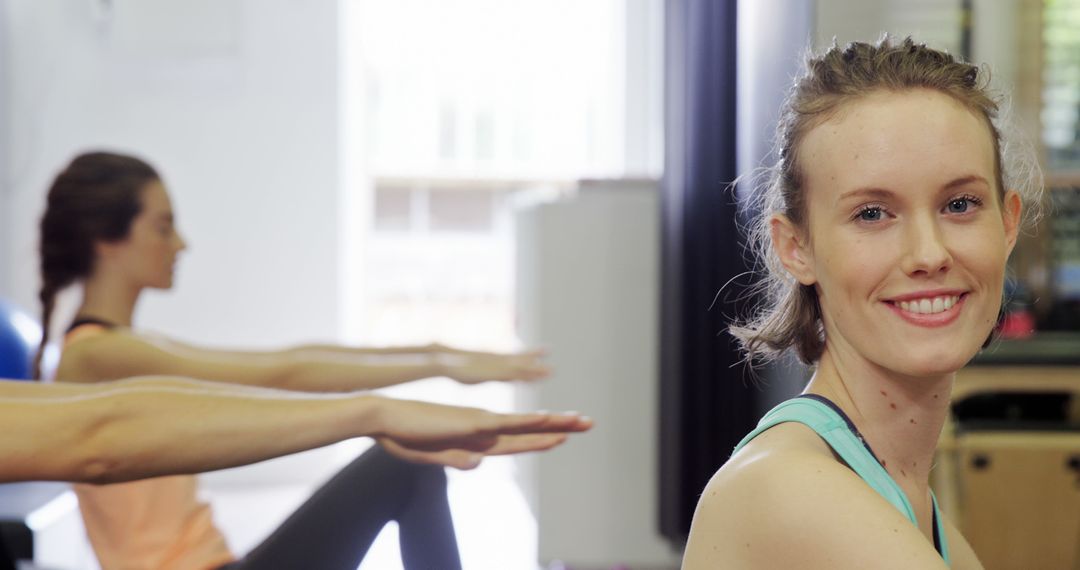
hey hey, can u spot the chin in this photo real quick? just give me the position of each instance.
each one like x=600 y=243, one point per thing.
x=933 y=365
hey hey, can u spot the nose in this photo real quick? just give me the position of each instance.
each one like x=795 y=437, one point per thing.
x=924 y=249
x=181 y=243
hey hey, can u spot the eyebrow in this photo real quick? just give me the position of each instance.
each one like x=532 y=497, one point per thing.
x=882 y=193
x=964 y=180
x=868 y=192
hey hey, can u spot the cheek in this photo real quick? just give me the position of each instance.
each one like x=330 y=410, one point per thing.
x=853 y=268
x=982 y=252
x=983 y=261
x=153 y=253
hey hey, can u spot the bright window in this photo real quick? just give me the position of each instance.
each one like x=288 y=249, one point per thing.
x=1061 y=84
x=455 y=109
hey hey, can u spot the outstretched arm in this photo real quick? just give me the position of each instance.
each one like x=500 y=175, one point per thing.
x=145 y=427
x=465 y=366
x=121 y=354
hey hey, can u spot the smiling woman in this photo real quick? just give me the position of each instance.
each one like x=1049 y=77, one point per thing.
x=885 y=230
x=917 y=235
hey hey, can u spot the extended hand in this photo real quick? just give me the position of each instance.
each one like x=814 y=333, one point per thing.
x=477 y=367
x=465 y=460
x=458 y=436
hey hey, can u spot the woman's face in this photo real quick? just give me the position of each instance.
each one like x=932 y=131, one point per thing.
x=148 y=255
x=908 y=236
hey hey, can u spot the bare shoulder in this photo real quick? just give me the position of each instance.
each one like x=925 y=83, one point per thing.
x=121 y=353
x=113 y=354
x=962 y=555
x=785 y=501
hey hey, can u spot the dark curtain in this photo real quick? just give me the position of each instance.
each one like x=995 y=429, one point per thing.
x=707 y=400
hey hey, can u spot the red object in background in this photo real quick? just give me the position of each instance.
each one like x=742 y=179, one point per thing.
x=1017 y=324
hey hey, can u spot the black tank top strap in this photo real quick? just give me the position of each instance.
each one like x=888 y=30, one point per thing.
x=81 y=320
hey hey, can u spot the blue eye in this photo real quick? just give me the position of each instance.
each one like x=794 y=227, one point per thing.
x=958 y=206
x=962 y=204
x=870 y=214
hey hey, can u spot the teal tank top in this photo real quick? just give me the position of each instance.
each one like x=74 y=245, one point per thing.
x=833 y=425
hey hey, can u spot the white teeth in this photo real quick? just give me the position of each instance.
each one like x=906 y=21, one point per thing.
x=929 y=306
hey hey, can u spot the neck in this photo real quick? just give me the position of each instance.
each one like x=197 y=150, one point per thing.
x=109 y=299
x=899 y=416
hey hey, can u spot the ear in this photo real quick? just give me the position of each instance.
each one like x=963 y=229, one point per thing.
x=792 y=248
x=104 y=249
x=1012 y=208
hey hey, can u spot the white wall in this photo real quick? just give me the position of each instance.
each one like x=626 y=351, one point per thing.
x=236 y=102
x=994 y=27
x=996 y=40
x=932 y=21
x=4 y=149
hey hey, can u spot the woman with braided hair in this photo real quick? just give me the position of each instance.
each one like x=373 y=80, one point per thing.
x=884 y=231
x=109 y=226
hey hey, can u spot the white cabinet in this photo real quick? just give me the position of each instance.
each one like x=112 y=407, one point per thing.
x=588 y=289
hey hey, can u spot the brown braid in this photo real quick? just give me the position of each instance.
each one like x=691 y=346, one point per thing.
x=48 y=302
x=94 y=199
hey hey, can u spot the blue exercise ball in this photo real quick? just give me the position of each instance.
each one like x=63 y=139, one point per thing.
x=20 y=335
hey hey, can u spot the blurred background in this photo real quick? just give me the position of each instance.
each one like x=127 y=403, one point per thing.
x=503 y=173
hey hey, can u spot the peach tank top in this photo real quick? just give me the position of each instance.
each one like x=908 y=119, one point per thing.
x=154 y=524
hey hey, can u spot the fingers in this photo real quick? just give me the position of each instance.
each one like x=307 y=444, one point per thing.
x=456 y=458
x=511 y=444
x=474 y=368
x=469 y=459
x=533 y=352
x=474 y=443
x=490 y=432
x=533 y=372
x=509 y=424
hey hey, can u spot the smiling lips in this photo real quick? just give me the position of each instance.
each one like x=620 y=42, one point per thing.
x=929 y=311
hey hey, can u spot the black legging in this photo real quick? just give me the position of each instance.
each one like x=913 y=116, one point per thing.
x=335 y=527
